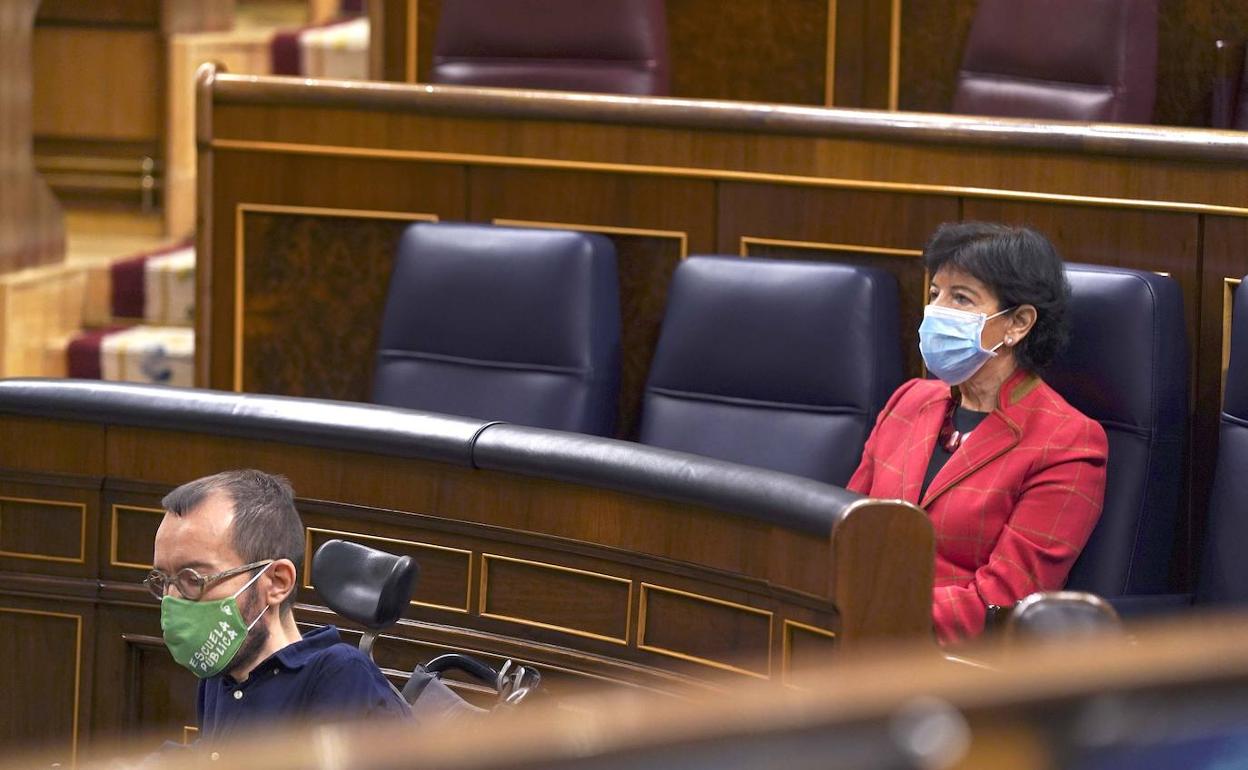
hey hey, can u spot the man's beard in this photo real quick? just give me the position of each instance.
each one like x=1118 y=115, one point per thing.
x=250 y=607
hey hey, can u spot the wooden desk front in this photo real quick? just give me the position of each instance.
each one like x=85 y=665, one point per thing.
x=585 y=582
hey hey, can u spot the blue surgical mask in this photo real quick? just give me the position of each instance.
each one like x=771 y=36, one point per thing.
x=949 y=340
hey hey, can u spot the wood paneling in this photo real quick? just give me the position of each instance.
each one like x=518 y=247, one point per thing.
x=763 y=51
x=556 y=597
x=44 y=712
x=131 y=528
x=287 y=259
x=98 y=84
x=48 y=530
x=705 y=630
x=32 y=230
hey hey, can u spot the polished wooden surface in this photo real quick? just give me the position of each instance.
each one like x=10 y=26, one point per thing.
x=670 y=177
x=103 y=77
x=934 y=32
x=588 y=584
x=1085 y=702
x=32 y=231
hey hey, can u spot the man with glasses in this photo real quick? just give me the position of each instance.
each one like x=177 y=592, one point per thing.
x=229 y=552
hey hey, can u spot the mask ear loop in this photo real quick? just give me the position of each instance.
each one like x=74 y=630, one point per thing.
x=994 y=348
x=254 y=578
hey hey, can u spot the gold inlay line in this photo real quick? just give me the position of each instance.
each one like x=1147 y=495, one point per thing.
x=786 y=640
x=482 y=598
x=894 y=55
x=748 y=240
x=917 y=188
x=1228 y=306
x=642 y=621
x=82 y=530
x=114 y=534
x=829 y=64
x=677 y=235
x=467 y=554
x=73 y=750
x=410 y=58
x=240 y=209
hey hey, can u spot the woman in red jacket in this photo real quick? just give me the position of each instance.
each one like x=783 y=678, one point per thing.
x=1011 y=475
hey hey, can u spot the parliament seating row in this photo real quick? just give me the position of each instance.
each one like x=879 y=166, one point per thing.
x=772 y=363
x=1069 y=60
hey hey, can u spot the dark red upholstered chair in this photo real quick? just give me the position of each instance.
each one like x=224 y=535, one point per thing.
x=1093 y=60
x=607 y=46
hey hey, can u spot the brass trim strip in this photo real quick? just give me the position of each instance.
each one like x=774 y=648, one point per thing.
x=914 y=188
x=82 y=530
x=242 y=208
x=112 y=536
x=829 y=63
x=679 y=235
x=482 y=599
x=642 y=621
x=187 y=732
x=747 y=240
x=411 y=59
x=894 y=55
x=73 y=751
x=786 y=640
x=307 y=561
x=1228 y=306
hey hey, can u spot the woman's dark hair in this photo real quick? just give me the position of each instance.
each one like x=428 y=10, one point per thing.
x=1021 y=267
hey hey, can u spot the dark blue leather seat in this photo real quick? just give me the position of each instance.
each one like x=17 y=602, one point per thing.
x=497 y=323
x=1224 y=568
x=777 y=364
x=1126 y=367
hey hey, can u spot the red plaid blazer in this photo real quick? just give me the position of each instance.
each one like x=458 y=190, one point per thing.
x=1011 y=508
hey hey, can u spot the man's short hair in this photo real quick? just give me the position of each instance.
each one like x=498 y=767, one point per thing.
x=266 y=524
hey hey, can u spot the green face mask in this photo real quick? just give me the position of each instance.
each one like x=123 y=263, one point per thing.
x=204 y=636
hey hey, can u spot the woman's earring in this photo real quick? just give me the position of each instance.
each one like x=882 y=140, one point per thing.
x=1009 y=340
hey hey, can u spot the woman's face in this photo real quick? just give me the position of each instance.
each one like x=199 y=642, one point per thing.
x=953 y=288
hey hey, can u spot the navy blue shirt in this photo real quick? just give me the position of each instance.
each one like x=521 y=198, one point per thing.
x=319 y=678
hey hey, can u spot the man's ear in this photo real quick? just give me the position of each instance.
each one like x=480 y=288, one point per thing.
x=282 y=579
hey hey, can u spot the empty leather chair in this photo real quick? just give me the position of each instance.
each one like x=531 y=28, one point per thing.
x=777 y=364
x=609 y=46
x=1224 y=568
x=1087 y=60
x=1126 y=367
x=500 y=323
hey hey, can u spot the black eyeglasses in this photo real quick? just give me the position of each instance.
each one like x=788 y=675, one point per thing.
x=190 y=584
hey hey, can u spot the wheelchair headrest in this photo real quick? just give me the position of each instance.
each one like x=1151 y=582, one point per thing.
x=364 y=584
